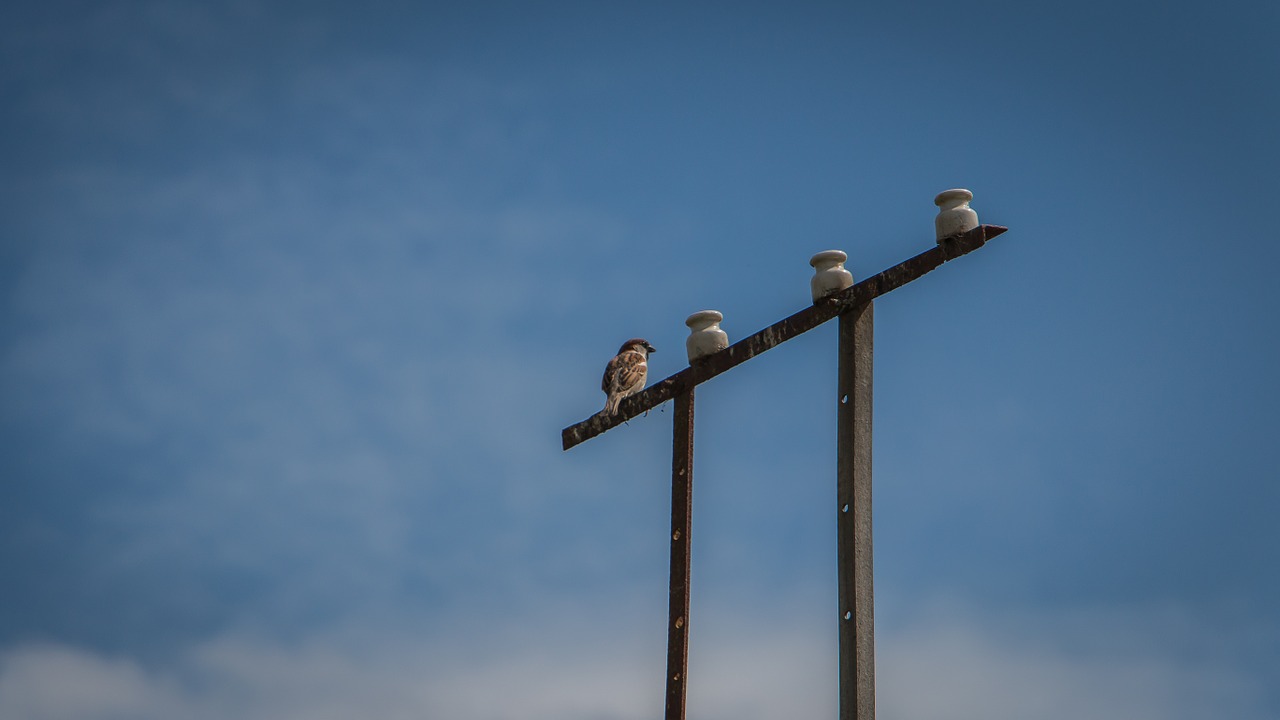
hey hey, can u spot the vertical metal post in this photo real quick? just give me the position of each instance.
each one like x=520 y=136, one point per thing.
x=681 y=522
x=853 y=498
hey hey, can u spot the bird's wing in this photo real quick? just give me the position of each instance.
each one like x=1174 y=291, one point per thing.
x=610 y=372
x=624 y=372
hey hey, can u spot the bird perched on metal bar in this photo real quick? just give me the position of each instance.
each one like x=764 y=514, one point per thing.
x=626 y=373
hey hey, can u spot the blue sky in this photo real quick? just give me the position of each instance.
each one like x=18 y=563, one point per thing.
x=297 y=297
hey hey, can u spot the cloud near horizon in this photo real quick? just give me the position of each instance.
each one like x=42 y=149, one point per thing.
x=950 y=664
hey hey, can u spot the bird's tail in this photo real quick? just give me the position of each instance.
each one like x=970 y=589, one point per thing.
x=611 y=405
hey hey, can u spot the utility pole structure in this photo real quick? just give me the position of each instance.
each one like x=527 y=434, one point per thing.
x=853 y=306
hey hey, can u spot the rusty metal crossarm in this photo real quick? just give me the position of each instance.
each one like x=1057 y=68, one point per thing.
x=781 y=331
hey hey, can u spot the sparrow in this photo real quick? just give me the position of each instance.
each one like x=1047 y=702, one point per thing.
x=626 y=373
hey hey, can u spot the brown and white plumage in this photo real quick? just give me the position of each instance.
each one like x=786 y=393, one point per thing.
x=626 y=373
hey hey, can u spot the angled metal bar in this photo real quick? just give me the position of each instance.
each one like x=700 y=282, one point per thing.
x=781 y=331
x=681 y=524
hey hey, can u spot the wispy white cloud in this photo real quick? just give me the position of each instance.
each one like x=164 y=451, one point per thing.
x=594 y=667
x=54 y=682
x=1087 y=664
x=298 y=355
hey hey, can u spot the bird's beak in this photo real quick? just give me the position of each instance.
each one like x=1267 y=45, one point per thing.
x=651 y=348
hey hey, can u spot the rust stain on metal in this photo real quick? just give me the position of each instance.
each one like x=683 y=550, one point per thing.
x=781 y=331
